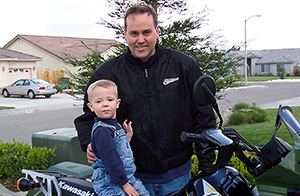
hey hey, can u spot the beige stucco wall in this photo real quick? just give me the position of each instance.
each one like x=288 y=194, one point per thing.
x=3 y=73
x=49 y=62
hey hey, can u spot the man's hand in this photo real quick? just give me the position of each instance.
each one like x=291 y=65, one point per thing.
x=90 y=155
x=205 y=161
x=128 y=129
x=129 y=190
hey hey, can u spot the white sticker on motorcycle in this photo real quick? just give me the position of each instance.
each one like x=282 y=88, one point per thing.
x=209 y=189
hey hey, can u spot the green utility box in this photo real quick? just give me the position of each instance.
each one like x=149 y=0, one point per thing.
x=66 y=142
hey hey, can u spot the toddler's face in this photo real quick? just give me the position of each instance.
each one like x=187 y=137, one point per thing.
x=104 y=102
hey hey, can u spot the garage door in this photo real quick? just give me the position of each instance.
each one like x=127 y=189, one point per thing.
x=15 y=74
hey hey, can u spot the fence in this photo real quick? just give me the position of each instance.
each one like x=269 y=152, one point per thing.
x=50 y=76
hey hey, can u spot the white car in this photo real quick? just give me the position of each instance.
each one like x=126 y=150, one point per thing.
x=29 y=87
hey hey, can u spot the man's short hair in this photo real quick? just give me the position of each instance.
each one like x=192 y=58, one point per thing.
x=102 y=83
x=141 y=9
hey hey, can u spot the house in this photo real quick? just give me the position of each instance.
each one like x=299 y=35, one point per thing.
x=268 y=62
x=51 y=49
x=15 y=65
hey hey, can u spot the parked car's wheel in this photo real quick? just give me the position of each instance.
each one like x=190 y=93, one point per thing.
x=47 y=96
x=31 y=94
x=5 y=93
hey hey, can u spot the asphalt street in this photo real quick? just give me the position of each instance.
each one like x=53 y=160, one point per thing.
x=263 y=94
x=35 y=115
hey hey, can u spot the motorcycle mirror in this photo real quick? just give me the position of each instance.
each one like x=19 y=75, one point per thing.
x=204 y=91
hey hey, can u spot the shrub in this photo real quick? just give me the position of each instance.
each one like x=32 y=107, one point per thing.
x=239 y=106
x=194 y=169
x=58 y=88
x=17 y=156
x=237 y=118
x=297 y=71
x=281 y=72
x=243 y=113
x=258 y=115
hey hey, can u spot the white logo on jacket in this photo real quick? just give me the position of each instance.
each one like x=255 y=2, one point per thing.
x=170 y=80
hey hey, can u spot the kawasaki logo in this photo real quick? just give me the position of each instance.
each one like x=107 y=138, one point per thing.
x=74 y=190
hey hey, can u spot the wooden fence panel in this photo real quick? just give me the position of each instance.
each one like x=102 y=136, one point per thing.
x=50 y=76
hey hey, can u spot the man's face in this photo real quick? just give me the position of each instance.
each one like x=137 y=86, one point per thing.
x=141 y=35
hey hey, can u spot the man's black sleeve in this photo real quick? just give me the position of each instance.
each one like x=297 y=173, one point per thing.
x=84 y=123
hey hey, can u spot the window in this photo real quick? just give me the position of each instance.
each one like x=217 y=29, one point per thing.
x=265 y=69
x=19 y=83
x=26 y=82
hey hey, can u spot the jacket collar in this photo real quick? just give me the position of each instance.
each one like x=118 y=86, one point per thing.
x=136 y=61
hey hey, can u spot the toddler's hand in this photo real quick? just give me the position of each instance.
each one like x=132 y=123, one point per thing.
x=129 y=190
x=128 y=129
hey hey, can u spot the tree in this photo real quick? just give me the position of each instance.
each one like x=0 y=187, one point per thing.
x=179 y=34
x=281 y=71
x=207 y=51
x=213 y=58
x=87 y=65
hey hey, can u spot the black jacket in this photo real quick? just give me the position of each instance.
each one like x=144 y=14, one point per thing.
x=157 y=98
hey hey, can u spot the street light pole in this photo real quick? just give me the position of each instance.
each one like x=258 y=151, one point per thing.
x=246 y=64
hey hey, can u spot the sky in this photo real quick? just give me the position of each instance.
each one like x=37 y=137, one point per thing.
x=277 y=28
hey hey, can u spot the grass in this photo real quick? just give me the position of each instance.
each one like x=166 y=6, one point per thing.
x=261 y=133
x=266 y=78
x=5 y=108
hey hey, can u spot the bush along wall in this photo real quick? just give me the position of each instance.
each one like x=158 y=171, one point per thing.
x=17 y=156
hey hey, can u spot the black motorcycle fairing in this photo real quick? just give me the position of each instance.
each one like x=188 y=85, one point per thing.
x=226 y=181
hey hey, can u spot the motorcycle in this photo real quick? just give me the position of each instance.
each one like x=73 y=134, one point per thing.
x=275 y=166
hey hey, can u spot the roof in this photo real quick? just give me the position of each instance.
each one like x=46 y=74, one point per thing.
x=274 y=56
x=69 y=45
x=6 y=54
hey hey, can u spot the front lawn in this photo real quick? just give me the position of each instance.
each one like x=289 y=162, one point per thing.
x=5 y=108
x=265 y=78
x=261 y=133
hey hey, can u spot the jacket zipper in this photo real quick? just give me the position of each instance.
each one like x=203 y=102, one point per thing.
x=146 y=73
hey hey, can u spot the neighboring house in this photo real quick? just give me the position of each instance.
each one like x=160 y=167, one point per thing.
x=52 y=48
x=267 y=62
x=15 y=65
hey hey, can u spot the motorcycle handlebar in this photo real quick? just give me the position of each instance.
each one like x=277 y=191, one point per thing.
x=214 y=136
x=194 y=137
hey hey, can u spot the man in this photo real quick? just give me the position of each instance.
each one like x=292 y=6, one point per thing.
x=155 y=85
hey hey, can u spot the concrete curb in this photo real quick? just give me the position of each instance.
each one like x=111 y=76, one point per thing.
x=5 y=192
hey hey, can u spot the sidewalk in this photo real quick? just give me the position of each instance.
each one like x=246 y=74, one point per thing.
x=5 y=192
